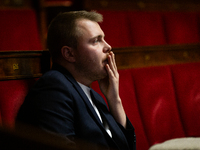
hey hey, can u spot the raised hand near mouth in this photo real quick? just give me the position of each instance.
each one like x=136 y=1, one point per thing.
x=110 y=88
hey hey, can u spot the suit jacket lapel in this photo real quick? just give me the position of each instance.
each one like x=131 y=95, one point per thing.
x=79 y=90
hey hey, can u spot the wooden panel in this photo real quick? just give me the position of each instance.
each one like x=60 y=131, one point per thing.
x=23 y=64
x=135 y=57
x=155 y=5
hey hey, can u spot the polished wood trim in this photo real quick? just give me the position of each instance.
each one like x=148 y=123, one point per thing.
x=145 y=56
x=23 y=64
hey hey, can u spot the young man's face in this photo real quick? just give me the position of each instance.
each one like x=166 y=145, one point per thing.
x=92 y=50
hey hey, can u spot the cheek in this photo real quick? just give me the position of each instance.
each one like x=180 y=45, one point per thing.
x=91 y=53
x=88 y=58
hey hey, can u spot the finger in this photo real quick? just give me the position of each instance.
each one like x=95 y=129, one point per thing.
x=109 y=71
x=112 y=63
x=113 y=60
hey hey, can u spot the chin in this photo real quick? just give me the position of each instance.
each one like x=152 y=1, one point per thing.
x=102 y=75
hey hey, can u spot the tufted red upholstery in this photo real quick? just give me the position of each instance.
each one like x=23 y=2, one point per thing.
x=162 y=102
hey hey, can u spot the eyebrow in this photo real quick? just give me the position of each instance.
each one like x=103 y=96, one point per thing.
x=98 y=36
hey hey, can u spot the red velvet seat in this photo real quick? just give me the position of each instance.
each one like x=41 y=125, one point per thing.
x=187 y=85
x=12 y=94
x=127 y=92
x=181 y=27
x=157 y=103
x=19 y=30
x=146 y=28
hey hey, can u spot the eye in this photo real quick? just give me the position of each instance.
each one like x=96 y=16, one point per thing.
x=96 y=40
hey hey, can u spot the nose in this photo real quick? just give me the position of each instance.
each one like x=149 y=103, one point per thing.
x=107 y=48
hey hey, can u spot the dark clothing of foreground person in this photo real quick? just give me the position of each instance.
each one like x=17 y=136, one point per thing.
x=58 y=104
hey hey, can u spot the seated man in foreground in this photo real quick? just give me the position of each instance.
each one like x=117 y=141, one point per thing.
x=63 y=102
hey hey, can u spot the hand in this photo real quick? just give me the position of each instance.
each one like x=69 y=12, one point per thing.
x=110 y=88
x=110 y=84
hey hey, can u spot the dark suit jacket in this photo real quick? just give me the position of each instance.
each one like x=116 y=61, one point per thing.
x=57 y=103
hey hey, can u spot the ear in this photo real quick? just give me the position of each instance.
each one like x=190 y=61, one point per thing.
x=68 y=53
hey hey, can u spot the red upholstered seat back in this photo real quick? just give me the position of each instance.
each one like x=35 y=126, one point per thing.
x=12 y=94
x=129 y=96
x=181 y=27
x=124 y=28
x=116 y=28
x=19 y=30
x=187 y=85
x=156 y=99
x=146 y=28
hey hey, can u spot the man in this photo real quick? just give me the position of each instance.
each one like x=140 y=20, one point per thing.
x=63 y=102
